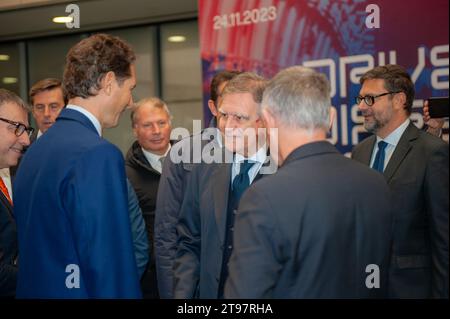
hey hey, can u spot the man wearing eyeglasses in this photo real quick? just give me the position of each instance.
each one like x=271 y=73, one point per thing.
x=206 y=219
x=415 y=165
x=14 y=133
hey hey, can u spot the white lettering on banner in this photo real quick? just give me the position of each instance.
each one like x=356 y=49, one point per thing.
x=248 y=17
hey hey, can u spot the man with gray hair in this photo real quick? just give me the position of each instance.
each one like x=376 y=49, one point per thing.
x=321 y=226
x=206 y=221
x=151 y=122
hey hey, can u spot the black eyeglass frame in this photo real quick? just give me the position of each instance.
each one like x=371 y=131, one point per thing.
x=20 y=128
x=370 y=99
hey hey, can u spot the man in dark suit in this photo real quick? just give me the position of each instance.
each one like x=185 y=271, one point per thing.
x=321 y=226
x=206 y=221
x=151 y=122
x=70 y=192
x=172 y=186
x=14 y=132
x=415 y=165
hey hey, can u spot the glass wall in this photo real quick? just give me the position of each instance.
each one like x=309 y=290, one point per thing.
x=181 y=72
x=167 y=67
x=11 y=57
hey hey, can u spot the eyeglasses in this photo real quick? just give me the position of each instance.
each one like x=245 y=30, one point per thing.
x=19 y=127
x=370 y=99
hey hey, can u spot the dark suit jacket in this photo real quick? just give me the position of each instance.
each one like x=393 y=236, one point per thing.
x=71 y=208
x=201 y=232
x=171 y=191
x=311 y=229
x=417 y=174
x=8 y=249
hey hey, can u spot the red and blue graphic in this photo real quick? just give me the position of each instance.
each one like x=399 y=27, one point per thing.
x=341 y=38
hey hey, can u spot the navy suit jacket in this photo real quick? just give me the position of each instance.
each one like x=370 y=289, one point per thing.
x=311 y=230
x=70 y=202
x=417 y=174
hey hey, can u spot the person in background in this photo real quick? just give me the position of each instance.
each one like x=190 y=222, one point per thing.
x=14 y=132
x=151 y=123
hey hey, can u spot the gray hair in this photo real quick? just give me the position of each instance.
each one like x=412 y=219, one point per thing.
x=7 y=96
x=155 y=102
x=247 y=82
x=300 y=98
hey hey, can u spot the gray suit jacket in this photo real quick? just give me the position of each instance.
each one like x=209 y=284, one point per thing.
x=417 y=174
x=201 y=232
x=311 y=230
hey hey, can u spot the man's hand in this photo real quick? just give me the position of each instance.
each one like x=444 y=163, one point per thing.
x=434 y=124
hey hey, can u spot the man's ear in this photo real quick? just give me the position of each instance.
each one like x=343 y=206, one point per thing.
x=332 y=117
x=268 y=118
x=212 y=107
x=399 y=100
x=107 y=82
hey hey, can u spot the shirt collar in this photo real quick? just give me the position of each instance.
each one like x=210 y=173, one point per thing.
x=259 y=157
x=39 y=134
x=395 y=136
x=153 y=158
x=89 y=115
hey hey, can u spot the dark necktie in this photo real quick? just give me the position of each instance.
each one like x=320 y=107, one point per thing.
x=378 y=164
x=241 y=182
x=4 y=190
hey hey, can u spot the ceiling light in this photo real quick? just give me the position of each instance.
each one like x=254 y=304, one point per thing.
x=176 y=38
x=62 y=19
x=4 y=57
x=9 y=80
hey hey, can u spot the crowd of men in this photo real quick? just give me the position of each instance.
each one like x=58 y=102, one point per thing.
x=80 y=221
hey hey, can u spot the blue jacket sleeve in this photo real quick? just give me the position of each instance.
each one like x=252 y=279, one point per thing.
x=138 y=231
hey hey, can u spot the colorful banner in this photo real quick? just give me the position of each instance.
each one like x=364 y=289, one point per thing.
x=342 y=38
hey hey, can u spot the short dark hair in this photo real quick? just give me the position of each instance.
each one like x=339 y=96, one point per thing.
x=7 y=96
x=218 y=79
x=46 y=85
x=91 y=59
x=396 y=79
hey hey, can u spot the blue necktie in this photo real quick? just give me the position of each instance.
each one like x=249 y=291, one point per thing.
x=378 y=164
x=241 y=182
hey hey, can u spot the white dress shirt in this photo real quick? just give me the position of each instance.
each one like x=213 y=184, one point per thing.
x=392 y=141
x=154 y=159
x=89 y=115
x=259 y=158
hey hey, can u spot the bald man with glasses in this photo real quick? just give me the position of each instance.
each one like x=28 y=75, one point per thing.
x=14 y=133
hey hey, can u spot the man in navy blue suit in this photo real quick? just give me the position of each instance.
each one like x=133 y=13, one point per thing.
x=70 y=190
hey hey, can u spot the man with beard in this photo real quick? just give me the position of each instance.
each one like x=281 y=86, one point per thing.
x=415 y=165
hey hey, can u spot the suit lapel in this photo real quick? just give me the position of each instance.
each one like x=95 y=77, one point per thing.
x=403 y=147
x=367 y=149
x=221 y=186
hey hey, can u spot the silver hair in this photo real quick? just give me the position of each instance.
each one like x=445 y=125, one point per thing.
x=299 y=97
x=155 y=102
